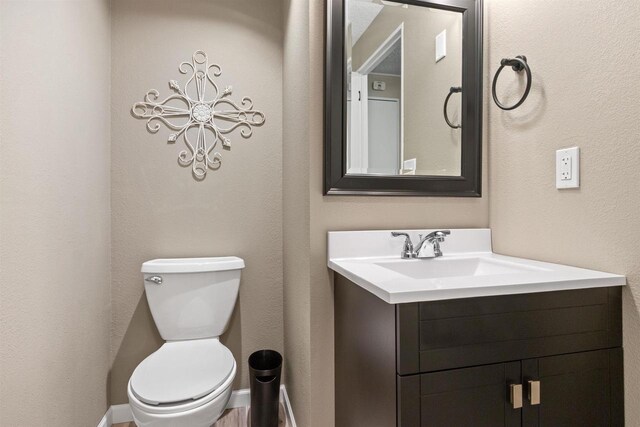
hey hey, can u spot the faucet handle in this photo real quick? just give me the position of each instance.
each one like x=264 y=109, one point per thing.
x=437 y=236
x=399 y=233
x=441 y=234
x=407 y=249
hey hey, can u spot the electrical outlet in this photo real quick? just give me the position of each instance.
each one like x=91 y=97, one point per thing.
x=565 y=167
x=568 y=168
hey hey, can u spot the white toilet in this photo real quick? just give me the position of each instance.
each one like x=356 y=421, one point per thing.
x=187 y=382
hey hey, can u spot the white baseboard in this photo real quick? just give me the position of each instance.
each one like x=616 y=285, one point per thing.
x=288 y=409
x=121 y=414
x=239 y=399
x=106 y=420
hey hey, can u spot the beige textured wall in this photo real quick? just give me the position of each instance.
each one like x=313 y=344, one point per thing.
x=54 y=212
x=586 y=73
x=427 y=137
x=436 y=146
x=297 y=310
x=159 y=210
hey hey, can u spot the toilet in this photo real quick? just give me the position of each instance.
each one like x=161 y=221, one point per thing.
x=187 y=382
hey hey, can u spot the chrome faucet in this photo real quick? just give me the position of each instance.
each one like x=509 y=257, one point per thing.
x=422 y=250
x=434 y=239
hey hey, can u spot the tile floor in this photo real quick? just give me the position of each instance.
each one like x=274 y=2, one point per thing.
x=236 y=417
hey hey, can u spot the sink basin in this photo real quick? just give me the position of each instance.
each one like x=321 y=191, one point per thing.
x=452 y=267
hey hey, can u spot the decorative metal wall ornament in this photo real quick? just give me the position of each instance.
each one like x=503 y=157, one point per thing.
x=200 y=116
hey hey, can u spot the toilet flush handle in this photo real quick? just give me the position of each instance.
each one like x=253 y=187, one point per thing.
x=155 y=279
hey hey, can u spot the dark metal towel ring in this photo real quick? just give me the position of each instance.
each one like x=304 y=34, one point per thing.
x=517 y=64
x=446 y=103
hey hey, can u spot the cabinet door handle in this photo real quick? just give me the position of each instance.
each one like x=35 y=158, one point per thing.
x=515 y=395
x=534 y=392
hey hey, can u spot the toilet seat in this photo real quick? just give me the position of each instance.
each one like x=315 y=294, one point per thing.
x=182 y=372
x=218 y=398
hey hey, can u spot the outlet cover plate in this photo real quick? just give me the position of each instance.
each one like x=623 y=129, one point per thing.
x=568 y=168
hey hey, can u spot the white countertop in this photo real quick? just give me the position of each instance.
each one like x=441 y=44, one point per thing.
x=371 y=259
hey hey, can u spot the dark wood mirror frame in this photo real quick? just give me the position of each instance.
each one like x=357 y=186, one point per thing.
x=336 y=180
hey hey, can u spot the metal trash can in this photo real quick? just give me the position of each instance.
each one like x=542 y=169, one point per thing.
x=265 y=367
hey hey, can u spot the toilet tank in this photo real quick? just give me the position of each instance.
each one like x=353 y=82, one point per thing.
x=192 y=298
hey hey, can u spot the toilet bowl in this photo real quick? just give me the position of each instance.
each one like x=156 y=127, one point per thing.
x=187 y=382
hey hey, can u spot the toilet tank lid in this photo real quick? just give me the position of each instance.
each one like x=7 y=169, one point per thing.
x=192 y=265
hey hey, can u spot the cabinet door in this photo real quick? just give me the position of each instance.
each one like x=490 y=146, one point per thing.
x=477 y=396
x=581 y=389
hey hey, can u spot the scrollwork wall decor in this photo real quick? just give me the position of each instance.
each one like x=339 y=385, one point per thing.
x=194 y=114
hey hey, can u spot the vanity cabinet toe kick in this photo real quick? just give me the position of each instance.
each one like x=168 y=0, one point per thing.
x=541 y=359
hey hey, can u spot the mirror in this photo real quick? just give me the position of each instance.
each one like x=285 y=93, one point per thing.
x=403 y=97
x=391 y=47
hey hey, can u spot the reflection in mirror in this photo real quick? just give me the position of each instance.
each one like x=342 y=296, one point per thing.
x=402 y=60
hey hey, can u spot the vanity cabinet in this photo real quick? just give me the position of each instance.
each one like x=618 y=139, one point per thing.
x=458 y=362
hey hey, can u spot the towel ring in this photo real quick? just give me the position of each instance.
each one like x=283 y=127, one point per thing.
x=517 y=64
x=446 y=103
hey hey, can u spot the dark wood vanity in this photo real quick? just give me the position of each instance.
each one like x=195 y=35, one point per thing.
x=470 y=362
